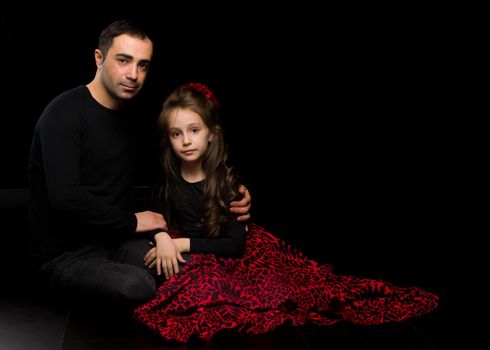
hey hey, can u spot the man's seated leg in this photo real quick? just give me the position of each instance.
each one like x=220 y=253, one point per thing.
x=89 y=272
x=131 y=251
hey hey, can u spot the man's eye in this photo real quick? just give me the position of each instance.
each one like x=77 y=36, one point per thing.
x=144 y=66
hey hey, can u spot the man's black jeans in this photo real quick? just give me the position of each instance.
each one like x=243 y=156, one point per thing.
x=114 y=273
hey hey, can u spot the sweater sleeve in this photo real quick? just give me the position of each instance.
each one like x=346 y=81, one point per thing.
x=232 y=244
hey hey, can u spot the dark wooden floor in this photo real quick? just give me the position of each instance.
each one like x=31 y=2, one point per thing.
x=32 y=319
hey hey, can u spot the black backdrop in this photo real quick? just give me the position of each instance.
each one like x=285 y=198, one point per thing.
x=336 y=123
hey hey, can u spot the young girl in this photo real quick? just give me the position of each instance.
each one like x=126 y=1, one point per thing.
x=199 y=183
x=253 y=283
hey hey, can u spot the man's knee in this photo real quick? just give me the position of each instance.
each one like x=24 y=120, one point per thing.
x=131 y=251
x=137 y=288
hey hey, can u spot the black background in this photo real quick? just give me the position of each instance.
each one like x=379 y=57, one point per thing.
x=336 y=120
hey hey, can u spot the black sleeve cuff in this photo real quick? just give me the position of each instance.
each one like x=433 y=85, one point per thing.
x=151 y=234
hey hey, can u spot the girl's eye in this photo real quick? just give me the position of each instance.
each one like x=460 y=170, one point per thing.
x=174 y=134
x=195 y=130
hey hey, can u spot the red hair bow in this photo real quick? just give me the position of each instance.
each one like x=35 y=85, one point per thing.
x=203 y=89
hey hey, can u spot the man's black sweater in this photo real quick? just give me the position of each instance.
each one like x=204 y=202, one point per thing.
x=80 y=173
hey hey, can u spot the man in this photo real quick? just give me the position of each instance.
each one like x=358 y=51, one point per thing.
x=80 y=173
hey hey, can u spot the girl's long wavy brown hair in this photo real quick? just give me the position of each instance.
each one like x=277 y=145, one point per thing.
x=220 y=184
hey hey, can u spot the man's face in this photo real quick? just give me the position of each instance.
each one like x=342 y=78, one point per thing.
x=126 y=66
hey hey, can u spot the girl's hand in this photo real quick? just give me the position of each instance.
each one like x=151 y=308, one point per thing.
x=165 y=256
x=151 y=256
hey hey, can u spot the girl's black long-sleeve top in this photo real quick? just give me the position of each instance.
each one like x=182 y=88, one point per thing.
x=186 y=208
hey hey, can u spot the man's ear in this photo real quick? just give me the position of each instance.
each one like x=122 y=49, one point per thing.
x=99 y=58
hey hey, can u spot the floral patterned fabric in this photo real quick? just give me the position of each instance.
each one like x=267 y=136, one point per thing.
x=272 y=284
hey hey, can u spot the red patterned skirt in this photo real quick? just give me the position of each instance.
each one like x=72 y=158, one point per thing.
x=272 y=284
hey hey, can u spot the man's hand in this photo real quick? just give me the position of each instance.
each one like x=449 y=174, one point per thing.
x=242 y=207
x=149 y=220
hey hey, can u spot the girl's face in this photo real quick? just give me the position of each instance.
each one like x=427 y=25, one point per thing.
x=188 y=135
